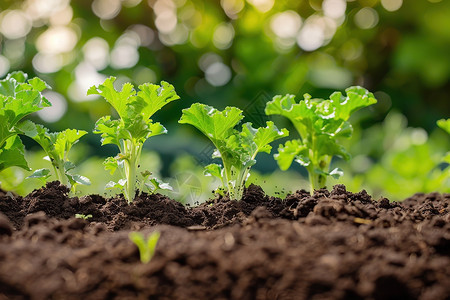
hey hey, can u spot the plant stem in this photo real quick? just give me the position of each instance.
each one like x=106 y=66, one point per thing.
x=60 y=173
x=130 y=166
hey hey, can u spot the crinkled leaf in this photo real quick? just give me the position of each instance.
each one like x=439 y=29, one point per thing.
x=64 y=141
x=152 y=97
x=120 y=100
x=110 y=130
x=288 y=152
x=265 y=135
x=357 y=98
x=214 y=124
x=19 y=76
x=111 y=164
x=329 y=146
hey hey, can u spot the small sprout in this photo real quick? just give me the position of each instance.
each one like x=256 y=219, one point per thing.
x=84 y=217
x=237 y=149
x=320 y=124
x=146 y=247
x=57 y=146
x=133 y=127
x=153 y=184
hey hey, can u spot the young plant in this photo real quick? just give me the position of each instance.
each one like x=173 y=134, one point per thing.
x=146 y=247
x=19 y=97
x=320 y=123
x=82 y=216
x=236 y=149
x=57 y=146
x=133 y=127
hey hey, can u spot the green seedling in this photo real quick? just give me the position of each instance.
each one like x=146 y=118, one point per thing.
x=19 y=97
x=236 y=149
x=133 y=127
x=320 y=124
x=146 y=247
x=84 y=217
x=57 y=146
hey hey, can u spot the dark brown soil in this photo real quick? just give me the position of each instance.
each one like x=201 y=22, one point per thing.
x=332 y=245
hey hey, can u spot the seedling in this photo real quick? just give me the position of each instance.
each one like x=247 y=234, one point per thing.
x=84 y=217
x=19 y=97
x=146 y=247
x=236 y=149
x=320 y=123
x=133 y=127
x=57 y=146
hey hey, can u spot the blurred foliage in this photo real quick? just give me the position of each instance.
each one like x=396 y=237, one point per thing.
x=241 y=53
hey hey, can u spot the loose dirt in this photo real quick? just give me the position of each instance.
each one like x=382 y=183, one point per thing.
x=332 y=245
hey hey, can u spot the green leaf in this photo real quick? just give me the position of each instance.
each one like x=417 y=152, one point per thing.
x=120 y=184
x=288 y=152
x=216 y=125
x=152 y=97
x=213 y=170
x=19 y=76
x=265 y=135
x=63 y=141
x=12 y=154
x=444 y=124
x=146 y=247
x=40 y=173
x=154 y=184
x=336 y=173
x=156 y=129
x=119 y=100
x=78 y=179
x=111 y=164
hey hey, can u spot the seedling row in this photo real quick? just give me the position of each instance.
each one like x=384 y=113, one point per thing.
x=320 y=124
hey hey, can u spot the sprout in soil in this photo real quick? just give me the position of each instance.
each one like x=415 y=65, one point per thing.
x=320 y=124
x=132 y=129
x=84 y=217
x=237 y=149
x=146 y=247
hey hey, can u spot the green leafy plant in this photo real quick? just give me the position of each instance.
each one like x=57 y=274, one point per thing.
x=146 y=247
x=19 y=97
x=133 y=127
x=82 y=216
x=57 y=146
x=320 y=123
x=236 y=149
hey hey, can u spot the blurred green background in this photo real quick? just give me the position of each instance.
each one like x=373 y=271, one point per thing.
x=242 y=53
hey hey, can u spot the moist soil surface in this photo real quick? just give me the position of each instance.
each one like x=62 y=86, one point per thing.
x=331 y=245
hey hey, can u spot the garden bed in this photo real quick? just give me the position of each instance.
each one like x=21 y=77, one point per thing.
x=333 y=245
